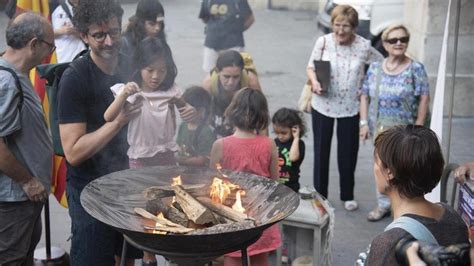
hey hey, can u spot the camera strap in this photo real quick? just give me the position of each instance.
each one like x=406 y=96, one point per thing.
x=414 y=228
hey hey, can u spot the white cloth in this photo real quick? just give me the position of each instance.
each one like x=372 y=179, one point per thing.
x=67 y=46
x=118 y=88
x=347 y=74
x=153 y=130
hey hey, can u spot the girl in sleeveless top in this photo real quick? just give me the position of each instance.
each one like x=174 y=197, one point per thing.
x=247 y=151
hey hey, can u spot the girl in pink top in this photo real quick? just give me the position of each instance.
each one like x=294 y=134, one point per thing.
x=151 y=133
x=246 y=151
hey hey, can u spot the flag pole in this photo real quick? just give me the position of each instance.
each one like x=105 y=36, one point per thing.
x=47 y=229
x=49 y=255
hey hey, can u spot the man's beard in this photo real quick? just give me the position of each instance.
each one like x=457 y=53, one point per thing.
x=109 y=52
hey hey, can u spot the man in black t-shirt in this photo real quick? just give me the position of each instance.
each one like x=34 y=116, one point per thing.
x=226 y=20
x=93 y=147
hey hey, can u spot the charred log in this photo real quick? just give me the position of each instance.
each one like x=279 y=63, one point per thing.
x=160 y=220
x=195 y=211
x=223 y=210
x=156 y=206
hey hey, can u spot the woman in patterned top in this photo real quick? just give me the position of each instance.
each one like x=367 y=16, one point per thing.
x=348 y=54
x=399 y=92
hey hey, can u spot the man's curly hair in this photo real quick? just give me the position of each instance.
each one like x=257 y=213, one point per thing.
x=90 y=12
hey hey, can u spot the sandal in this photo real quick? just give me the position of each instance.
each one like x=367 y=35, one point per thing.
x=378 y=214
x=351 y=205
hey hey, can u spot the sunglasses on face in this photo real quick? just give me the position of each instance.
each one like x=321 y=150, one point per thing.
x=395 y=40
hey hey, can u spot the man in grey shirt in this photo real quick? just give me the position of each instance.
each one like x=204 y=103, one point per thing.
x=25 y=144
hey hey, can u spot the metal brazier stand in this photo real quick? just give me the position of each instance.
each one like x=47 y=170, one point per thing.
x=112 y=198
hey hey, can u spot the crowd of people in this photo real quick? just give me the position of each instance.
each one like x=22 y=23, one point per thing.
x=119 y=103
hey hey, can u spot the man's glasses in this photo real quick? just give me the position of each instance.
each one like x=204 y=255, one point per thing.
x=101 y=35
x=51 y=46
x=395 y=40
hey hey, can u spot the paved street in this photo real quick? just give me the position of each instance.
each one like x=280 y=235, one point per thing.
x=280 y=43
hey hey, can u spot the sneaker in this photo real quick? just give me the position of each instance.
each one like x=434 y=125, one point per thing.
x=378 y=214
x=351 y=205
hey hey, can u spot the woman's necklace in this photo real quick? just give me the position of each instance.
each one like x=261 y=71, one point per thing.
x=393 y=68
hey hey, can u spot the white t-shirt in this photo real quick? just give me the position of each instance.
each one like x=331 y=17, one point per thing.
x=67 y=46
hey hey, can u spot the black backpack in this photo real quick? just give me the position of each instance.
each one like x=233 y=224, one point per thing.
x=52 y=73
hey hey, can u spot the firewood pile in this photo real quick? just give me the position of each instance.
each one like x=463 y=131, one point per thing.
x=195 y=209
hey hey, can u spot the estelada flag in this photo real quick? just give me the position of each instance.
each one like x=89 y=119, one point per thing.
x=58 y=182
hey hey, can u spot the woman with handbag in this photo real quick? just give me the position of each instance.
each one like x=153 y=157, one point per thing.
x=395 y=92
x=336 y=97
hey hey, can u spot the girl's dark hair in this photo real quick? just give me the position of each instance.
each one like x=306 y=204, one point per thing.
x=198 y=97
x=148 y=51
x=248 y=110
x=229 y=58
x=286 y=117
x=413 y=155
x=146 y=10
x=95 y=12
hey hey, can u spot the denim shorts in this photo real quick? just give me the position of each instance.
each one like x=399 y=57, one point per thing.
x=93 y=242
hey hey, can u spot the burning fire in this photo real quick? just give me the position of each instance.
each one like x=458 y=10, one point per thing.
x=238 y=203
x=176 y=181
x=159 y=215
x=221 y=189
x=158 y=232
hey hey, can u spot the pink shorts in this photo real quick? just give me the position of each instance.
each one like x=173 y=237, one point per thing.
x=269 y=241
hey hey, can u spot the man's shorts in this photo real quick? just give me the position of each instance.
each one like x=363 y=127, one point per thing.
x=20 y=231
x=211 y=55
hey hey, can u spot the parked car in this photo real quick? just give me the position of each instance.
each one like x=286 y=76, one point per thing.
x=374 y=17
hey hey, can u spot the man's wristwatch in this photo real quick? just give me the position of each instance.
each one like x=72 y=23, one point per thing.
x=363 y=123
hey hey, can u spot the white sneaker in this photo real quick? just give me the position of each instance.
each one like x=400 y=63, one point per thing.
x=351 y=205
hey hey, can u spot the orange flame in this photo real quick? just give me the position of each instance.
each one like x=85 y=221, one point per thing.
x=176 y=181
x=159 y=215
x=238 y=203
x=220 y=190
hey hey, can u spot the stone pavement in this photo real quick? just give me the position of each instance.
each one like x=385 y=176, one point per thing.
x=280 y=43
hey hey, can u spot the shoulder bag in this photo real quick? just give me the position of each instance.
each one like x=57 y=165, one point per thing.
x=304 y=102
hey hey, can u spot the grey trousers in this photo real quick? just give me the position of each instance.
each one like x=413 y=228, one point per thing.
x=20 y=232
